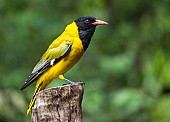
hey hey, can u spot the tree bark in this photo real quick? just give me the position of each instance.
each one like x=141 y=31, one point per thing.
x=59 y=104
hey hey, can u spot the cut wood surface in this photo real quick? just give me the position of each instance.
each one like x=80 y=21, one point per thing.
x=59 y=104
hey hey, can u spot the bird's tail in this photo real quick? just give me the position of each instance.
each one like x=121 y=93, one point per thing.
x=37 y=89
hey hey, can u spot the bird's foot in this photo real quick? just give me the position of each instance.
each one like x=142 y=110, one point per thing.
x=71 y=82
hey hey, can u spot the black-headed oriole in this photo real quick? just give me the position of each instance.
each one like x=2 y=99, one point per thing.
x=62 y=54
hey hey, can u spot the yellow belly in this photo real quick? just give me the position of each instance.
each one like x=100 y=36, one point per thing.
x=63 y=65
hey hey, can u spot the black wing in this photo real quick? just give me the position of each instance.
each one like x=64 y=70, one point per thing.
x=44 y=65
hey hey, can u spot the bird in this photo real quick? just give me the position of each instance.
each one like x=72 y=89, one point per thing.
x=62 y=54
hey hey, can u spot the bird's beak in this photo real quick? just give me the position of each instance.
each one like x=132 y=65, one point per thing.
x=99 y=22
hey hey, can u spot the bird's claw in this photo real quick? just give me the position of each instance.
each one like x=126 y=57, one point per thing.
x=71 y=82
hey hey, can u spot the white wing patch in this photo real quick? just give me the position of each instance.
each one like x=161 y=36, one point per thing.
x=52 y=62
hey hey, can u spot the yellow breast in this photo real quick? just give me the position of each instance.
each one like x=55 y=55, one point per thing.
x=67 y=62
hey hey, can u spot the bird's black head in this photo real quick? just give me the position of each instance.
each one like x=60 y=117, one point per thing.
x=86 y=27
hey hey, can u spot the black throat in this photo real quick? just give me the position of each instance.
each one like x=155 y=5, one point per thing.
x=86 y=29
x=85 y=36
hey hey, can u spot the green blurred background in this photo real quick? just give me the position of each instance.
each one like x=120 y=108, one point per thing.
x=126 y=67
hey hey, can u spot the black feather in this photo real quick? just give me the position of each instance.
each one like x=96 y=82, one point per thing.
x=34 y=75
x=86 y=30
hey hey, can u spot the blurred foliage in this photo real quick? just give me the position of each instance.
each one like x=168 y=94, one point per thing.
x=126 y=68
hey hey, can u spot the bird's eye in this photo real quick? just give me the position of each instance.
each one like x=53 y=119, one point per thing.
x=87 y=21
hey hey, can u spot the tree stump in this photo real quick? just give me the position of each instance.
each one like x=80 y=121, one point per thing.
x=59 y=104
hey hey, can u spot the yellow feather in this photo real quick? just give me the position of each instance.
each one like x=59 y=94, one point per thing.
x=37 y=89
x=69 y=37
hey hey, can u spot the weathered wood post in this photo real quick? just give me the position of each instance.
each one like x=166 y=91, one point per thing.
x=59 y=104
